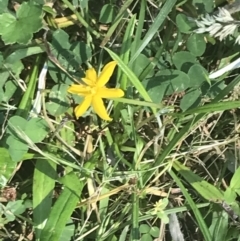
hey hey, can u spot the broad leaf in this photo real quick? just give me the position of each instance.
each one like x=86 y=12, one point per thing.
x=20 y=28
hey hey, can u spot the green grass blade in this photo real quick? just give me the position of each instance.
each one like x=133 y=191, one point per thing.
x=179 y=136
x=124 y=233
x=43 y=185
x=135 y=168
x=219 y=226
x=125 y=52
x=81 y=19
x=139 y=30
x=23 y=52
x=26 y=101
x=132 y=77
x=220 y=106
x=141 y=103
x=63 y=208
x=135 y=218
x=124 y=55
x=158 y=21
x=158 y=54
x=207 y=190
x=227 y=89
x=147 y=217
x=7 y=167
x=202 y=225
x=116 y=22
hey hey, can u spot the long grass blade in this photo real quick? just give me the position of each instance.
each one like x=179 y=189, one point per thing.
x=158 y=21
x=202 y=225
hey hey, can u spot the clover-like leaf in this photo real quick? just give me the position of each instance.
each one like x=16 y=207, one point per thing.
x=7 y=166
x=3 y=6
x=19 y=130
x=20 y=28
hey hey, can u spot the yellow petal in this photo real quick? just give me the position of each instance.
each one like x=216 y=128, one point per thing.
x=88 y=82
x=79 y=90
x=99 y=108
x=110 y=93
x=91 y=77
x=106 y=73
x=82 y=108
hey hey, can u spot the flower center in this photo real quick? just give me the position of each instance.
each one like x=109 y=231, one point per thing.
x=93 y=90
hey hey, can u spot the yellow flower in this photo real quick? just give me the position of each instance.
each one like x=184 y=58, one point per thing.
x=94 y=91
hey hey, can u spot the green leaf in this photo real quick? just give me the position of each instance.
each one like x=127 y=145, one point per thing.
x=20 y=29
x=140 y=64
x=16 y=148
x=204 y=188
x=15 y=67
x=132 y=77
x=166 y=82
x=60 y=40
x=235 y=181
x=4 y=6
x=16 y=207
x=22 y=53
x=154 y=28
x=57 y=75
x=36 y=129
x=41 y=2
x=1 y=94
x=183 y=60
x=68 y=231
x=229 y=195
x=50 y=10
x=4 y=74
x=63 y=208
x=43 y=185
x=179 y=81
x=201 y=223
x=7 y=166
x=164 y=217
x=177 y=136
x=10 y=86
x=154 y=231
x=70 y=55
x=183 y=24
x=19 y=129
x=198 y=75
x=125 y=53
x=146 y=237
x=204 y=6
x=81 y=51
x=216 y=87
x=121 y=14
x=26 y=100
x=191 y=99
x=67 y=134
x=234 y=207
x=80 y=3
x=232 y=234
x=140 y=103
x=107 y=13
x=10 y=89
x=144 y=228
x=219 y=226
x=196 y=44
x=73 y=54
x=58 y=103
x=221 y=106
